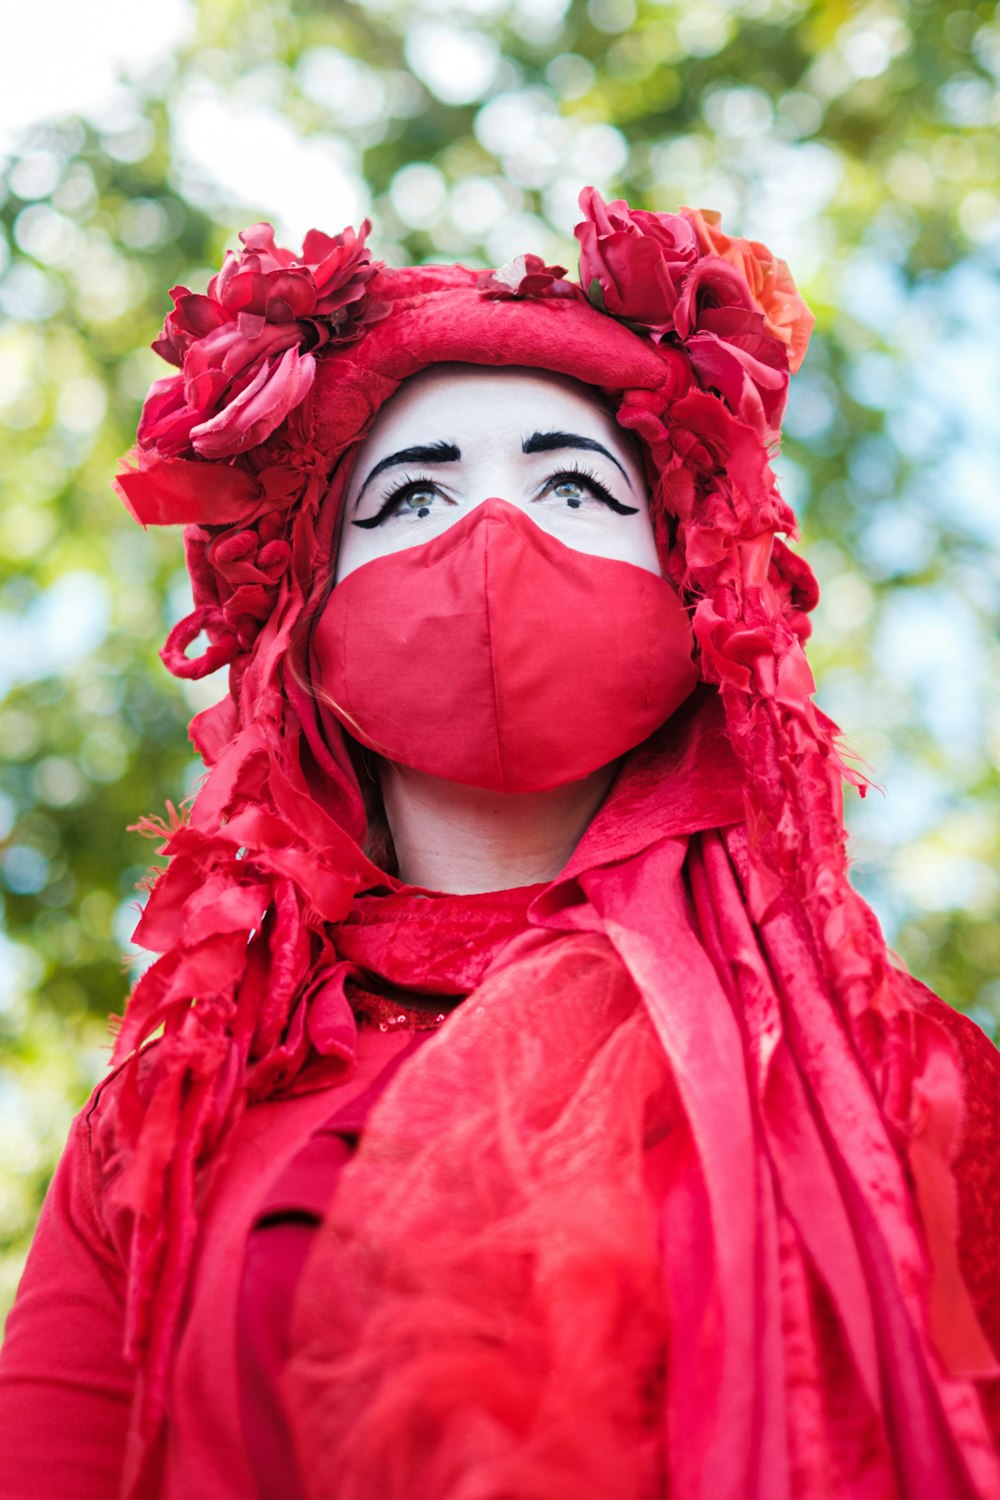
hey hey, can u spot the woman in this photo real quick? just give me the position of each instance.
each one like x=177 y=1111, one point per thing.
x=536 y=1111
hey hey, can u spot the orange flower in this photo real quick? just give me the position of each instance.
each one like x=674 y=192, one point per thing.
x=769 y=279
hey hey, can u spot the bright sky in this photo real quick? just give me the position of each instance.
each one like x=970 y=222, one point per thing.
x=67 y=56
x=61 y=56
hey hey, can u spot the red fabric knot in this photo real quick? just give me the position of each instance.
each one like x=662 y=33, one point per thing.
x=224 y=643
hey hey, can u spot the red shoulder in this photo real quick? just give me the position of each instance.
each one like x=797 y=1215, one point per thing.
x=977 y=1171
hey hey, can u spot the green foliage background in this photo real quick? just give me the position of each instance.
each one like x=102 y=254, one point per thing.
x=866 y=132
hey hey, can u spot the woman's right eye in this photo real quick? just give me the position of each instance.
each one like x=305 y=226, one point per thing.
x=419 y=499
x=411 y=500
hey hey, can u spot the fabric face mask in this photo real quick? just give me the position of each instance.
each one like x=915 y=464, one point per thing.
x=497 y=656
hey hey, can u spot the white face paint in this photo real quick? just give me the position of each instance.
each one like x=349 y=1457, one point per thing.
x=455 y=435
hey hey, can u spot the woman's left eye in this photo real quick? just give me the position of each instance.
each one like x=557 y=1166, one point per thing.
x=576 y=489
x=570 y=490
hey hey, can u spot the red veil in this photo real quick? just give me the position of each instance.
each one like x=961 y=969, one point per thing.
x=739 y=1033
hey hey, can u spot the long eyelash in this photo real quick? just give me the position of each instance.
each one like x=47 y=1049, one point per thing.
x=392 y=499
x=580 y=471
x=411 y=482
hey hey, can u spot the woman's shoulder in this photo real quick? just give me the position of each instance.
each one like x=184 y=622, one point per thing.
x=976 y=1167
x=978 y=1055
x=977 y=1160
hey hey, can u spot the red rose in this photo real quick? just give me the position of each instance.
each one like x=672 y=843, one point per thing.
x=277 y=387
x=269 y=285
x=731 y=346
x=193 y=317
x=632 y=263
x=768 y=279
x=711 y=283
x=734 y=354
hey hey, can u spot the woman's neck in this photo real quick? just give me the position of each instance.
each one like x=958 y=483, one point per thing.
x=457 y=838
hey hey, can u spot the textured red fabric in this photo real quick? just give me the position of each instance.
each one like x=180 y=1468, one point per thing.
x=274 y=403
x=436 y=1356
x=818 y=1272
x=67 y=1392
x=819 y=1105
x=278 y=1247
x=497 y=656
x=421 y=1365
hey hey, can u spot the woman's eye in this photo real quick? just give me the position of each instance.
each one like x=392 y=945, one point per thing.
x=412 y=500
x=577 y=489
x=570 y=490
x=417 y=500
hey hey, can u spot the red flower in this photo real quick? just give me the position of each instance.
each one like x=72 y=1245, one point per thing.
x=525 y=276
x=767 y=278
x=245 y=348
x=269 y=285
x=734 y=355
x=632 y=263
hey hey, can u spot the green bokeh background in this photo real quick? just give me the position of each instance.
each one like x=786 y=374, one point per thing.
x=865 y=134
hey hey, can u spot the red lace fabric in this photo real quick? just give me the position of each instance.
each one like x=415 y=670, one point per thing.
x=414 y=955
x=494 y=1195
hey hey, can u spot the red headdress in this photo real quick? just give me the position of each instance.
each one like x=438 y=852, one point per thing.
x=282 y=366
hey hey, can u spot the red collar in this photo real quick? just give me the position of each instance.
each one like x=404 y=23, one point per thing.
x=683 y=779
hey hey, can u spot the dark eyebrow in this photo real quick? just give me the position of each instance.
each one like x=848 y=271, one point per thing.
x=549 y=442
x=424 y=453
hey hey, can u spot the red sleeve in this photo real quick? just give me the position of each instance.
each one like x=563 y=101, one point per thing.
x=65 y=1388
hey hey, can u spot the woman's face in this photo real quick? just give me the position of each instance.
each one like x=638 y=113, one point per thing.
x=455 y=435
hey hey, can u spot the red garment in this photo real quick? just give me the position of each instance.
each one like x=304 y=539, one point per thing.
x=282 y=367
x=277 y=1248
x=819 y=1324
x=67 y=1393
x=479 y=1306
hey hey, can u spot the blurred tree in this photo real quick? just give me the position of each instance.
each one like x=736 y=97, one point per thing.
x=858 y=139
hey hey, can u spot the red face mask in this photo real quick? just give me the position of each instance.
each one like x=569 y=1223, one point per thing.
x=497 y=656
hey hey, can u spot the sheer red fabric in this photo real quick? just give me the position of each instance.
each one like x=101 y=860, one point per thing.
x=450 y=1356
